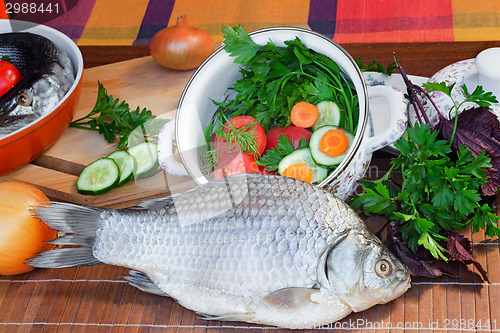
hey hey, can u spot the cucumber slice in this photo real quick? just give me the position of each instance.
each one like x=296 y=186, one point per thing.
x=322 y=158
x=146 y=156
x=126 y=164
x=329 y=114
x=98 y=177
x=304 y=156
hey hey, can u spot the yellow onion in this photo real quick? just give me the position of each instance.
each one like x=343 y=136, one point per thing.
x=181 y=47
x=22 y=235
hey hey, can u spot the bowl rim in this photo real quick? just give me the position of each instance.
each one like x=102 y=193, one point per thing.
x=362 y=122
x=78 y=67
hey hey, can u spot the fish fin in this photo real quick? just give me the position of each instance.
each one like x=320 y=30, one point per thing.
x=292 y=297
x=246 y=316
x=67 y=257
x=142 y=282
x=81 y=223
x=69 y=218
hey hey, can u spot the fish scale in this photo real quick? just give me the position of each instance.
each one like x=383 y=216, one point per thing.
x=258 y=248
x=265 y=227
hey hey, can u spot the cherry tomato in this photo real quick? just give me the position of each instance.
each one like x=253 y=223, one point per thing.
x=246 y=123
x=291 y=131
x=9 y=76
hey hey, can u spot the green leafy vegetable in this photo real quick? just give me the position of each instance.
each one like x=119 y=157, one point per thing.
x=114 y=119
x=478 y=96
x=438 y=192
x=272 y=158
x=376 y=66
x=275 y=78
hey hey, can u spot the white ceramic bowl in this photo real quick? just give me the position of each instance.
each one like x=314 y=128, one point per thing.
x=212 y=79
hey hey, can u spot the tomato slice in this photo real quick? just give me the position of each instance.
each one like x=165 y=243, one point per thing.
x=9 y=76
x=249 y=124
x=241 y=163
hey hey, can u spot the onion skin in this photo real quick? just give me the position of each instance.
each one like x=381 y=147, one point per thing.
x=22 y=234
x=181 y=47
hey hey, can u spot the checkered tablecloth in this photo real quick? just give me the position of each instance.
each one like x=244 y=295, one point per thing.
x=134 y=22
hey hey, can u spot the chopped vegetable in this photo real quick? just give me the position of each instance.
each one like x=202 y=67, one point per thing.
x=126 y=163
x=242 y=163
x=299 y=171
x=118 y=168
x=325 y=148
x=113 y=119
x=22 y=236
x=304 y=114
x=146 y=156
x=329 y=114
x=303 y=156
x=334 y=142
x=98 y=177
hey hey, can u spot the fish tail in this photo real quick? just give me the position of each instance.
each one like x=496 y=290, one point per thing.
x=79 y=225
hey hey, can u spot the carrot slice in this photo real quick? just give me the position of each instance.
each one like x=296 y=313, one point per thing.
x=334 y=142
x=304 y=114
x=299 y=171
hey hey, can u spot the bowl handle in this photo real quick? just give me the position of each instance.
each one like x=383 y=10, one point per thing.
x=165 y=151
x=398 y=117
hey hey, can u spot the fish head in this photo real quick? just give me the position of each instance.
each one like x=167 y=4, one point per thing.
x=31 y=99
x=362 y=272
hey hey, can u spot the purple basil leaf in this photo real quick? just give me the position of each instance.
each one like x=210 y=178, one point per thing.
x=461 y=250
x=479 y=130
x=418 y=266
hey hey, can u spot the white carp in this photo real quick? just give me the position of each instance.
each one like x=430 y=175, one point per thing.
x=257 y=248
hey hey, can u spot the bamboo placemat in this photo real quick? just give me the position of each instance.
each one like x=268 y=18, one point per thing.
x=91 y=299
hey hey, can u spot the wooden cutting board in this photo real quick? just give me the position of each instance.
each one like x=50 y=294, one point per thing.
x=140 y=82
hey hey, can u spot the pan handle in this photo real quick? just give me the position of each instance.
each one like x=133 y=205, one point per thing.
x=165 y=152
x=397 y=114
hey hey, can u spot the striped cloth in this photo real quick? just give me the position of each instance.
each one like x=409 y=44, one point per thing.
x=134 y=22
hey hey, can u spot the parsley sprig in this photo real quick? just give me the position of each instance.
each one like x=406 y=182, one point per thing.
x=437 y=193
x=285 y=147
x=479 y=96
x=376 y=66
x=114 y=119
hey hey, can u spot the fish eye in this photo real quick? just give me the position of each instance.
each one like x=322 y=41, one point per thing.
x=24 y=98
x=383 y=268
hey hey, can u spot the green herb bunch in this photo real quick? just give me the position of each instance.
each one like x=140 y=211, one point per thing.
x=438 y=191
x=275 y=78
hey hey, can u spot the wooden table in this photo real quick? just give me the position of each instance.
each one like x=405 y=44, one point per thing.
x=88 y=299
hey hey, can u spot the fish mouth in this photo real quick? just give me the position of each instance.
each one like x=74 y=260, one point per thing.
x=402 y=287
